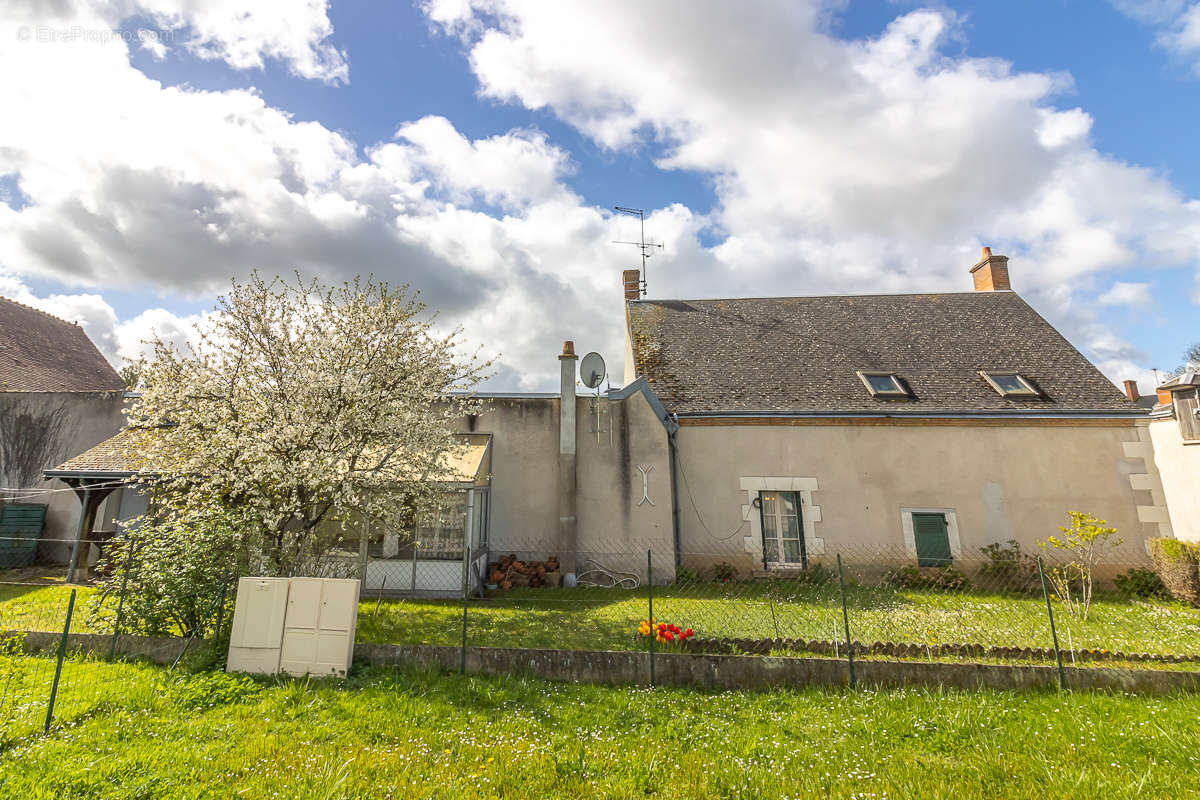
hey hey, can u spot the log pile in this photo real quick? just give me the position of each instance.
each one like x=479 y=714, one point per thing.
x=510 y=571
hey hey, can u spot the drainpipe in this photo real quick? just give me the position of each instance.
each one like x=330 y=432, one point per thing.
x=568 y=524
x=673 y=451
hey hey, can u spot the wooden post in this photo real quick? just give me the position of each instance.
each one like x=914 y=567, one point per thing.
x=87 y=518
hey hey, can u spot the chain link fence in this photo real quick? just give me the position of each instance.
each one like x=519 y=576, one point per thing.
x=1002 y=606
x=67 y=650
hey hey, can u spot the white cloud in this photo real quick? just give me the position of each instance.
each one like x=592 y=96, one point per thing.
x=242 y=34
x=875 y=165
x=1135 y=295
x=512 y=170
x=872 y=165
x=132 y=335
x=127 y=183
x=1177 y=21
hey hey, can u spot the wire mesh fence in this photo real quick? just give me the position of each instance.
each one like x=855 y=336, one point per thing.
x=69 y=649
x=1005 y=606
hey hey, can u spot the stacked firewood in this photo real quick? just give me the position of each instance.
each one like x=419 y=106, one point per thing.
x=510 y=571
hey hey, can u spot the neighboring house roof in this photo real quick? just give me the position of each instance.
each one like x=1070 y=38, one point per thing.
x=1187 y=379
x=792 y=355
x=42 y=353
x=116 y=456
x=119 y=457
x=468 y=464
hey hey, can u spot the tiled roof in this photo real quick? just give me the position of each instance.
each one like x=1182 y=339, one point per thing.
x=800 y=354
x=120 y=455
x=42 y=353
x=117 y=455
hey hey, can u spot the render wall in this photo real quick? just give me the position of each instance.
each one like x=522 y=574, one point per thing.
x=1001 y=482
x=616 y=525
x=1179 y=465
x=41 y=430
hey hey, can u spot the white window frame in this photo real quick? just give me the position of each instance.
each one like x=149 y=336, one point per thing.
x=810 y=512
x=775 y=560
x=897 y=393
x=910 y=538
x=1027 y=391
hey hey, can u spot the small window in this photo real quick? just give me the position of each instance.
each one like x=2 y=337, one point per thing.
x=883 y=384
x=1010 y=384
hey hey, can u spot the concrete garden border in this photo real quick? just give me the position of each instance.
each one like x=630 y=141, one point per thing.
x=713 y=671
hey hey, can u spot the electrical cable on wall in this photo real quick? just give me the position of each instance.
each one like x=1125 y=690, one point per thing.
x=696 y=511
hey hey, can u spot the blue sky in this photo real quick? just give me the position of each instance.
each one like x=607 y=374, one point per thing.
x=1084 y=113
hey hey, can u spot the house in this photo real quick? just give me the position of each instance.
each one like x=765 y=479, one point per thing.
x=770 y=433
x=1175 y=432
x=920 y=426
x=58 y=396
x=773 y=433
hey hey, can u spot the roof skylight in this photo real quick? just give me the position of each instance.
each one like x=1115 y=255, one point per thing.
x=883 y=384
x=1010 y=384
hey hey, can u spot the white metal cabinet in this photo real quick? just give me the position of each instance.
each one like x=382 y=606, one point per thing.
x=318 y=630
x=258 y=616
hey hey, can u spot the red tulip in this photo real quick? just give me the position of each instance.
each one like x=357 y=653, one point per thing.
x=662 y=627
x=689 y=633
x=668 y=636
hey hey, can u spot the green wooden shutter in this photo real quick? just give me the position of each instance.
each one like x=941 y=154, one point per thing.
x=932 y=538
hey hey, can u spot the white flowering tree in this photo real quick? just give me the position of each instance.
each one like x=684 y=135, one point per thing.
x=299 y=409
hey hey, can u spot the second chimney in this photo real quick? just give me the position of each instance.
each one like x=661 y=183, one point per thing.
x=631 y=279
x=1131 y=391
x=991 y=273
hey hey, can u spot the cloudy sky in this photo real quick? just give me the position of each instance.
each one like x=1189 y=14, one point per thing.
x=151 y=150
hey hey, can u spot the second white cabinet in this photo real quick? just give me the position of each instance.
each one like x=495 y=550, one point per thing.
x=318 y=629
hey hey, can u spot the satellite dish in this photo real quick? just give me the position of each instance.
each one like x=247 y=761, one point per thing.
x=591 y=370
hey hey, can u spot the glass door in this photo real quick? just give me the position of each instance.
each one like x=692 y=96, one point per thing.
x=782 y=529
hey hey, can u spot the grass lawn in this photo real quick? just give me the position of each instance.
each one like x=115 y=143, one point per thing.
x=141 y=732
x=607 y=619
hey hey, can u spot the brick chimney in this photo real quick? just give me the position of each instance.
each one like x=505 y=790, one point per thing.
x=1131 y=391
x=991 y=273
x=631 y=280
x=1165 y=398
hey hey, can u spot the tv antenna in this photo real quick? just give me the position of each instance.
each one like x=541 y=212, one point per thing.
x=647 y=248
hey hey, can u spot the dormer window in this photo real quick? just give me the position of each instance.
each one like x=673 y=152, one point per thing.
x=884 y=385
x=1010 y=384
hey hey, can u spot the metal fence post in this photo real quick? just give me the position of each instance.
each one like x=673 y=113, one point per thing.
x=221 y=610
x=846 y=621
x=364 y=545
x=650 y=603
x=112 y=649
x=62 y=651
x=1062 y=675
x=466 y=587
